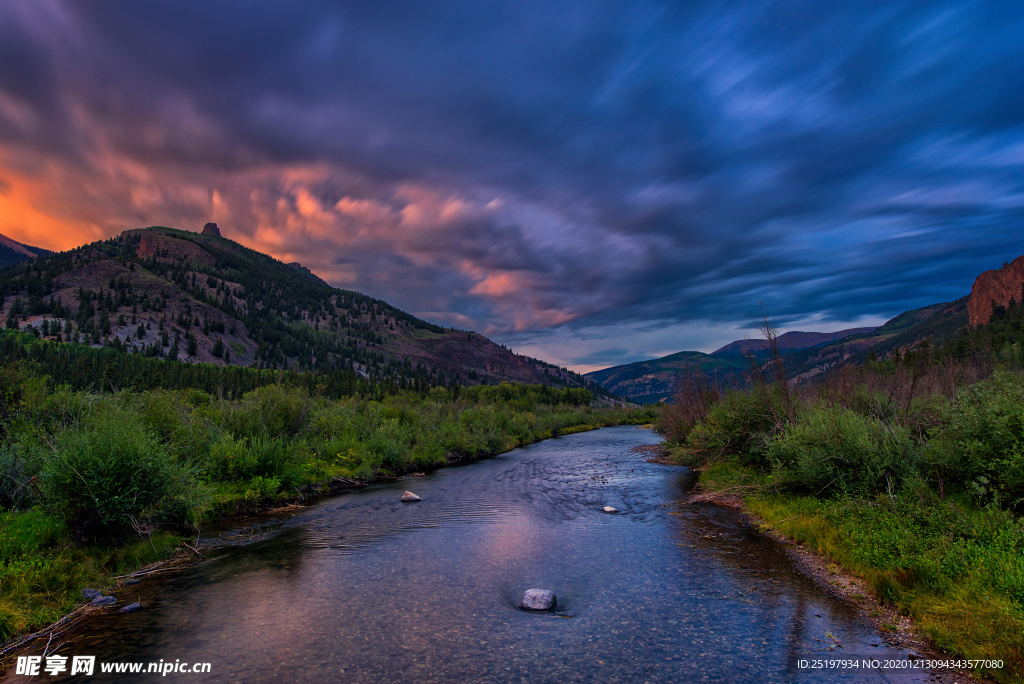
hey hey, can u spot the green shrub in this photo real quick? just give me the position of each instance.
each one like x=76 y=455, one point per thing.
x=271 y=410
x=981 y=448
x=113 y=476
x=739 y=425
x=834 y=450
x=389 y=447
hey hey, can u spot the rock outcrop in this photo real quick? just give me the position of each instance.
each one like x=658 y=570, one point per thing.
x=211 y=229
x=999 y=286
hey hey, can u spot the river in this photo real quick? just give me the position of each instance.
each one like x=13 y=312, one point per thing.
x=363 y=588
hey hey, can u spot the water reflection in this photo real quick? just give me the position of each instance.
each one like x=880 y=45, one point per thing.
x=362 y=587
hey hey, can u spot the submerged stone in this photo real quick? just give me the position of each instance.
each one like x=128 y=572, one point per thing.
x=103 y=601
x=409 y=496
x=130 y=608
x=538 y=599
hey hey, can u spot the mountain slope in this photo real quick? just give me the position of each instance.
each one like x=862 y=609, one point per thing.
x=170 y=293
x=655 y=380
x=12 y=252
x=793 y=340
x=936 y=323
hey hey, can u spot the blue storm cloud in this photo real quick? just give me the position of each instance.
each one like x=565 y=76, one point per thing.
x=658 y=166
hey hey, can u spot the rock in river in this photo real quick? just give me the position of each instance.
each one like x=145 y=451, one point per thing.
x=130 y=608
x=103 y=601
x=409 y=496
x=609 y=509
x=538 y=599
x=91 y=593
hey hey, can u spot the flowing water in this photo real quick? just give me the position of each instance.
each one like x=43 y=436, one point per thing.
x=363 y=588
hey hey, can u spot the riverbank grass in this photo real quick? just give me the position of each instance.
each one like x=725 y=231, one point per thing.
x=42 y=574
x=955 y=568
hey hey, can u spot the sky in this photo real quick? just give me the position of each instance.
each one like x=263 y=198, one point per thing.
x=591 y=183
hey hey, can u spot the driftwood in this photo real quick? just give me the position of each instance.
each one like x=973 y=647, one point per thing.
x=57 y=629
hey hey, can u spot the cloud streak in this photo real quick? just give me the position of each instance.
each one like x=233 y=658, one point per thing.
x=591 y=182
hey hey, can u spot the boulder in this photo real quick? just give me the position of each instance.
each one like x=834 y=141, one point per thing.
x=91 y=593
x=211 y=229
x=409 y=496
x=538 y=599
x=103 y=601
x=130 y=608
x=609 y=509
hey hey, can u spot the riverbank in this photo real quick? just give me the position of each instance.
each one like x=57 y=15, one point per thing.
x=226 y=459
x=873 y=554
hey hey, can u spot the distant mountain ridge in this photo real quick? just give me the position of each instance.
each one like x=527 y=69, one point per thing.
x=655 y=380
x=201 y=297
x=12 y=252
x=791 y=341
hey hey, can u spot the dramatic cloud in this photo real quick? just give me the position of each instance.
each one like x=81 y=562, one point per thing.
x=591 y=183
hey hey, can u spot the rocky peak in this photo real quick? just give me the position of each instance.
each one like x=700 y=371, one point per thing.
x=211 y=229
x=999 y=286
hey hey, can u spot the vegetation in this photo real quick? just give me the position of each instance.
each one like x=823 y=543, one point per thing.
x=92 y=484
x=908 y=471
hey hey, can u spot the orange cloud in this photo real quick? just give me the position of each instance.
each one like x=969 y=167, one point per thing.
x=27 y=215
x=498 y=285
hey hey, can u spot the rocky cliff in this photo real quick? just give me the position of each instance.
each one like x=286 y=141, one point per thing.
x=997 y=286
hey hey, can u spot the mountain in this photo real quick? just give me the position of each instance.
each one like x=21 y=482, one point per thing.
x=807 y=356
x=790 y=341
x=936 y=323
x=12 y=252
x=655 y=380
x=201 y=297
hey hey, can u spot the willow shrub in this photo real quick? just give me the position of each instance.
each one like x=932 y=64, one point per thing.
x=980 y=449
x=114 y=475
x=739 y=425
x=832 y=450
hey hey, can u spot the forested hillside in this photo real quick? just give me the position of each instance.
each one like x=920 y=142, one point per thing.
x=174 y=295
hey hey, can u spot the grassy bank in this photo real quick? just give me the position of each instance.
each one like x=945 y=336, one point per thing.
x=92 y=486
x=907 y=472
x=954 y=567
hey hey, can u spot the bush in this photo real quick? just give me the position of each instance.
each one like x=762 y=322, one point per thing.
x=388 y=447
x=114 y=476
x=739 y=425
x=269 y=411
x=833 y=450
x=981 y=448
